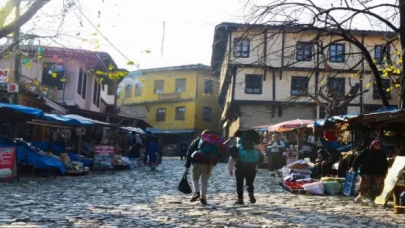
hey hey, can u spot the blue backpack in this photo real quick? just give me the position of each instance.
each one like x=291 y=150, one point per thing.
x=248 y=155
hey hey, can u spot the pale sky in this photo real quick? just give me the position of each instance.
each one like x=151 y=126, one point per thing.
x=134 y=26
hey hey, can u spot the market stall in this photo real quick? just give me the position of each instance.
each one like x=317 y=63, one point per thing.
x=297 y=126
x=25 y=153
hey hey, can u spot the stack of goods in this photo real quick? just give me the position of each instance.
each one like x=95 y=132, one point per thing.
x=296 y=175
x=121 y=162
x=327 y=185
x=138 y=163
x=332 y=186
x=77 y=166
x=73 y=166
x=290 y=152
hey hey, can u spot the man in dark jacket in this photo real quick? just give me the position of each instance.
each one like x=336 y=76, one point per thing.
x=148 y=140
x=200 y=170
x=183 y=149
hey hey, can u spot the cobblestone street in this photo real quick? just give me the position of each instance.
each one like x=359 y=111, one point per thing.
x=141 y=198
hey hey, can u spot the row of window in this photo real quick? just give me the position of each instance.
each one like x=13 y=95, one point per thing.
x=299 y=85
x=59 y=69
x=82 y=87
x=181 y=114
x=159 y=87
x=304 y=51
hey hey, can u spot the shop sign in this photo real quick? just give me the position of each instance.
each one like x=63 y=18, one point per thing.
x=4 y=75
x=7 y=162
x=169 y=96
x=12 y=88
x=104 y=157
x=55 y=106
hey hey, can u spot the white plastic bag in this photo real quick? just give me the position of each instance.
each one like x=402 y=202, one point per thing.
x=316 y=188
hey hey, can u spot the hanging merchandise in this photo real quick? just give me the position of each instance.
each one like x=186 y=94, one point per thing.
x=330 y=135
x=40 y=49
x=80 y=131
x=66 y=134
x=26 y=61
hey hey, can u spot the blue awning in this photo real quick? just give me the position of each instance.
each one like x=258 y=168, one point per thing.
x=66 y=120
x=323 y=122
x=21 y=109
x=388 y=109
x=160 y=131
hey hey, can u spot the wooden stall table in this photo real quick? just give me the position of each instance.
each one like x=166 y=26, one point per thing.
x=393 y=185
x=398 y=189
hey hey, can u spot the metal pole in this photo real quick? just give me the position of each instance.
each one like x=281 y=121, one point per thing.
x=16 y=38
x=64 y=76
x=298 y=143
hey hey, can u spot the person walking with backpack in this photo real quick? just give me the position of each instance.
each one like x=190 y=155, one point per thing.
x=203 y=155
x=245 y=158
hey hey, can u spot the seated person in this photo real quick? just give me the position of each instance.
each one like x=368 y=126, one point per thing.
x=323 y=156
x=346 y=163
x=326 y=160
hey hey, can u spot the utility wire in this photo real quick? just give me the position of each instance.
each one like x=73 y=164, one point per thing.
x=123 y=87
x=95 y=27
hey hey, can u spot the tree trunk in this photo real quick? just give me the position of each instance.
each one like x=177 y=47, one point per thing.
x=402 y=38
x=18 y=22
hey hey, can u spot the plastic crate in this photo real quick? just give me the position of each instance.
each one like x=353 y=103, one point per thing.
x=349 y=186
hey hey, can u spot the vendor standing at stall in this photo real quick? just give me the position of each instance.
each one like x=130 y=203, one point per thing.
x=373 y=166
x=50 y=139
x=275 y=153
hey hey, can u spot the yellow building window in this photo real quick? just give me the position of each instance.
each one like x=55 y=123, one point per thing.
x=138 y=89
x=180 y=113
x=180 y=85
x=208 y=86
x=159 y=86
x=128 y=91
x=161 y=114
x=207 y=114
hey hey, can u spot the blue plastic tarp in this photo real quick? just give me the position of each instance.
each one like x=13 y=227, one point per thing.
x=86 y=162
x=57 y=148
x=345 y=148
x=388 y=109
x=323 y=122
x=66 y=120
x=22 y=109
x=28 y=156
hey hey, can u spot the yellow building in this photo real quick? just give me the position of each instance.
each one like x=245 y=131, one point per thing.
x=172 y=98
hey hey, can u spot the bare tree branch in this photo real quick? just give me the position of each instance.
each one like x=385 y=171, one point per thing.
x=18 y=22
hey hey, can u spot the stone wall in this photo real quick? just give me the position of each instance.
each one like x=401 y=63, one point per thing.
x=134 y=111
x=257 y=114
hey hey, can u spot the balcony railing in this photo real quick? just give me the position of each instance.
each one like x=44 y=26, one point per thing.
x=37 y=87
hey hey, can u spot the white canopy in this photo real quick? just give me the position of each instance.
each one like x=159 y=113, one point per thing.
x=77 y=117
x=135 y=129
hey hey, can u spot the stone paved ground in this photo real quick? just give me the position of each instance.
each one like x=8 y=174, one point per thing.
x=141 y=198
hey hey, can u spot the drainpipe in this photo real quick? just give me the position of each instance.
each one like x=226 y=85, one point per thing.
x=318 y=109
x=64 y=76
x=361 y=78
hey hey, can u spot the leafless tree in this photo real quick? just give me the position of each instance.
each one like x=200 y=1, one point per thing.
x=9 y=23
x=337 y=19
